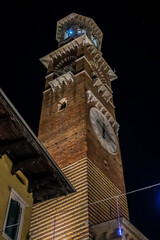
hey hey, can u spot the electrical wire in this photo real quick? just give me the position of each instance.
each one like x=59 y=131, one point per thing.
x=124 y=194
x=117 y=201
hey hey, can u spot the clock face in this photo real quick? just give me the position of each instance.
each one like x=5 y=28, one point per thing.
x=104 y=131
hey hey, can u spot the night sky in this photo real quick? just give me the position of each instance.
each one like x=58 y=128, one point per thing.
x=131 y=47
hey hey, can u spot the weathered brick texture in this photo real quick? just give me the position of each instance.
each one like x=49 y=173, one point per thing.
x=68 y=135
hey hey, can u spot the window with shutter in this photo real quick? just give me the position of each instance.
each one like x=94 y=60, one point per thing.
x=14 y=217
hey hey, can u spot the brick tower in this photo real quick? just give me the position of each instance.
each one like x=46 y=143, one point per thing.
x=79 y=130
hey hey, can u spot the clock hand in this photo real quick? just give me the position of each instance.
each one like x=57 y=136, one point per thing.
x=108 y=136
x=99 y=123
x=102 y=127
x=104 y=130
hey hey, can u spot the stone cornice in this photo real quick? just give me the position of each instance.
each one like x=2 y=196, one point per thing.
x=98 y=61
x=64 y=79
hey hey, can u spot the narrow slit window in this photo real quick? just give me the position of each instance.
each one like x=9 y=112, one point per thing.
x=62 y=104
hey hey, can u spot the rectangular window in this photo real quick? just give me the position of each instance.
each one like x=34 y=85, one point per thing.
x=14 y=217
x=12 y=224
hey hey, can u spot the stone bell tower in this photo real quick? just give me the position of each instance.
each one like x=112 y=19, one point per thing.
x=79 y=129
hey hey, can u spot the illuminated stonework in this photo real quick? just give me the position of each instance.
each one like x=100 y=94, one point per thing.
x=109 y=231
x=78 y=74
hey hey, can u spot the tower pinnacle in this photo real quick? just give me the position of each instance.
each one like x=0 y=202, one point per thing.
x=75 y=25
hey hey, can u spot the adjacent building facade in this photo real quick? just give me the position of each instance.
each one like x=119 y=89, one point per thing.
x=15 y=202
x=28 y=174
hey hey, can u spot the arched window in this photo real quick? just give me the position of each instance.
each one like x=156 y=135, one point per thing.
x=68 y=33
x=95 y=40
x=81 y=31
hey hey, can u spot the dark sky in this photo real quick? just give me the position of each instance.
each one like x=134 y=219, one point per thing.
x=131 y=47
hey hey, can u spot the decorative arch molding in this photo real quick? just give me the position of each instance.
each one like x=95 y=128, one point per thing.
x=65 y=65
